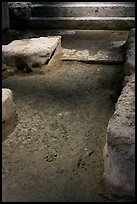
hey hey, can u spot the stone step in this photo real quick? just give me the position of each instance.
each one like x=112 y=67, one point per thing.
x=90 y=23
x=110 y=56
x=83 y=9
x=30 y=53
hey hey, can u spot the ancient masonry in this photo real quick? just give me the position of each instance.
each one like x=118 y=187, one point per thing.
x=119 y=151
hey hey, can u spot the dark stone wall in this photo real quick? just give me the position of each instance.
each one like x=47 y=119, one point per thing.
x=5 y=16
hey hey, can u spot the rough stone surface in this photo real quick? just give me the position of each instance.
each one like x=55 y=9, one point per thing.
x=130 y=55
x=32 y=52
x=72 y=54
x=8 y=71
x=19 y=13
x=8 y=107
x=114 y=55
x=5 y=16
x=119 y=152
x=73 y=15
x=81 y=23
x=9 y=116
x=75 y=9
x=21 y=9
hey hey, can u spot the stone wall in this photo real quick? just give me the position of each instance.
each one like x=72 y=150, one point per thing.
x=130 y=56
x=5 y=16
x=119 y=151
x=72 y=15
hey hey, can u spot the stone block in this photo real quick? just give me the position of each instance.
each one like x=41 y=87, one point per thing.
x=29 y=53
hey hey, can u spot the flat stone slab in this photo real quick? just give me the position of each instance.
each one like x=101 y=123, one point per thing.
x=103 y=56
x=33 y=52
x=119 y=151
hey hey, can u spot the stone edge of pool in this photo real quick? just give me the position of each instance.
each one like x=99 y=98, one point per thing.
x=119 y=150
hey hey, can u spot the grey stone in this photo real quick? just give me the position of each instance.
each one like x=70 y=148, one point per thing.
x=73 y=15
x=82 y=23
x=72 y=54
x=76 y=9
x=9 y=115
x=130 y=55
x=102 y=56
x=119 y=151
x=21 y=9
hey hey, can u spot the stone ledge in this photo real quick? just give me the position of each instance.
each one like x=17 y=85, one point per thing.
x=30 y=53
x=130 y=54
x=114 y=55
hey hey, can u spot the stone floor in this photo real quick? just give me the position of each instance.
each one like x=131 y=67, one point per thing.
x=55 y=153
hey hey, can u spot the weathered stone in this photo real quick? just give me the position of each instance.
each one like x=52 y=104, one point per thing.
x=81 y=23
x=9 y=116
x=115 y=44
x=7 y=71
x=19 y=13
x=76 y=9
x=108 y=57
x=72 y=54
x=8 y=107
x=130 y=55
x=21 y=9
x=33 y=52
x=102 y=56
x=119 y=151
x=5 y=16
x=73 y=15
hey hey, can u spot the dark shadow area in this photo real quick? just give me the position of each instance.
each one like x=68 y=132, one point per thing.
x=63 y=90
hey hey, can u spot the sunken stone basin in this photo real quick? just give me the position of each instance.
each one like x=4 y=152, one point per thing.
x=33 y=52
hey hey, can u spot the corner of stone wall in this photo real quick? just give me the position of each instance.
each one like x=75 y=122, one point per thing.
x=119 y=150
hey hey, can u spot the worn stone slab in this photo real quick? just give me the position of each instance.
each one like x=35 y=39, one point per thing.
x=119 y=151
x=102 y=56
x=76 y=9
x=81 y=23
x=7 y=71
x=9 y=115
x=33 y=52
x=72 y=54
